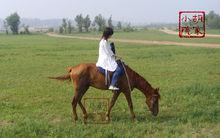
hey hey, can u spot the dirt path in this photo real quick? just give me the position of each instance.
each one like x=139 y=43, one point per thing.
x=148 y=42
x=168 y=31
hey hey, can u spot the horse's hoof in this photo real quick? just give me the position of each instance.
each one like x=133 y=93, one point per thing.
x=107 y=118
x=133 y=119
x=75 y=118
x=85 y=121
x=85 y=117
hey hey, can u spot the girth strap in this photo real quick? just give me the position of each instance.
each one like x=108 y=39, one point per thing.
x=107 y=78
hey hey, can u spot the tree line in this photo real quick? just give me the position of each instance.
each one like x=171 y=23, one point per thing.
x=213 y=20
x=85 y=24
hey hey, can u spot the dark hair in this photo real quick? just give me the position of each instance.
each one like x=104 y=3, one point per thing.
x=108 y=31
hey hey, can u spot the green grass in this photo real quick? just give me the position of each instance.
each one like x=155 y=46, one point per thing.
x=33 y=106
x=209 y=31
x=153 y=35
x=213 y=31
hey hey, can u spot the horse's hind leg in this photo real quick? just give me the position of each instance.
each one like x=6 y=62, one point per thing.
x=85 y=115
x=114 y=98
x=74 y=104
x=75 y=99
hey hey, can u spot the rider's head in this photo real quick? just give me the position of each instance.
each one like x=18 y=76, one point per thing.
x=108 y=32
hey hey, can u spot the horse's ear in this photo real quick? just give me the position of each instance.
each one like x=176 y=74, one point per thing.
x=157 y=89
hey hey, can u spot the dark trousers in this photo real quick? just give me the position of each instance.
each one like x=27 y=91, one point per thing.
x=116 y=74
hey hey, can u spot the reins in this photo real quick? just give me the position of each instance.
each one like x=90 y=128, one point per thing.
x=126 y=74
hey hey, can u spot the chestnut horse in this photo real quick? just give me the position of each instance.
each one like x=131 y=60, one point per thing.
x=85 y=75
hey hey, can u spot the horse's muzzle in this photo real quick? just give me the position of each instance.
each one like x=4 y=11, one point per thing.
x=155 y=109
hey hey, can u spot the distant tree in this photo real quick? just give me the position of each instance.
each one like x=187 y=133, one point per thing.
x=13 y=22
x=93 y=26
x=51 y=29
x=26 y=29
x=119 y=26
x=110 y=22
x=86 y=23
x=5 y=26
x=69 y=27
x=64 y=25
x=61 y=29
x=79 y=22
x=100 y=21
x=128 y=28
x=213 y=20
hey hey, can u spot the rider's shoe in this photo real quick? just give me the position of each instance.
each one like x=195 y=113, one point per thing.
x=113 y=88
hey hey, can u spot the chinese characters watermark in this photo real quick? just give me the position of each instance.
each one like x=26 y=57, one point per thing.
x=97 y=108
x=192 y=24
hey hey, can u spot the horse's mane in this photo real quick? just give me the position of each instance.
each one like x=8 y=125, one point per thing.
x=140 y=82
x=137 y=76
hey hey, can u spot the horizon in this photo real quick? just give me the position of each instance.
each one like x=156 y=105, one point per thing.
x=56 y=22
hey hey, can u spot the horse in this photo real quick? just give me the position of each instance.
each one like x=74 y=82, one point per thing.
x=87 y=74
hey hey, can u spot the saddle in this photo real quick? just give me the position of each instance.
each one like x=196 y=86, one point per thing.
x=108 y=74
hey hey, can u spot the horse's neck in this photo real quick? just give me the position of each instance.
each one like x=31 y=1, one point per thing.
x=140 y=83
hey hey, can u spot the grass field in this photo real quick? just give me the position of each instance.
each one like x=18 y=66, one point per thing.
x=155 y=35
x=213 y=31
x=33 y=106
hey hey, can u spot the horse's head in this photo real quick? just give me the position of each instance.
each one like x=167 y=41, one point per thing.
x=153 y=101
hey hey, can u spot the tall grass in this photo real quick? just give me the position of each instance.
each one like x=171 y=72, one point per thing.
x=33 y=106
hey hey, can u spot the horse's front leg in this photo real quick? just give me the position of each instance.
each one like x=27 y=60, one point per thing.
x=130 y=104
x=114 y=98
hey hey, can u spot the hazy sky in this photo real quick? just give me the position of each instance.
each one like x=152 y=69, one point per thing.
x=134 y=11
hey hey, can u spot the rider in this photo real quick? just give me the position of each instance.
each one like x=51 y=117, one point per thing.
x=107 y=59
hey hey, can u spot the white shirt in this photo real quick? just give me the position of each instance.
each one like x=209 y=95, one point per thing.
x=106 y=58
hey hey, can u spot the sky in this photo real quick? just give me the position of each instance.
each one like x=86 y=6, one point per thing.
x=133 y=11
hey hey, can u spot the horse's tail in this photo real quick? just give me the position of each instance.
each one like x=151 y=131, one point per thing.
x=62 y=78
